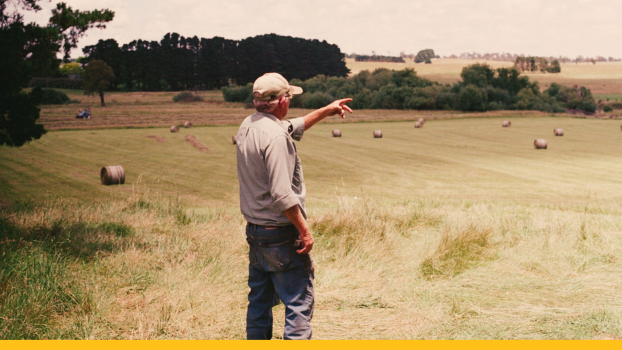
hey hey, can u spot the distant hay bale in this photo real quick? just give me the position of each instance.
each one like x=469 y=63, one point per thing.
x=418 y=124
x=506 y=123
x=113 y=175
x=234 y=139
x=174 y=128
x=558 y=132
x=377 y=134
x=421 y=120
x=191 y=139
x=187 y=125
x=539 y=144
x=336 y=133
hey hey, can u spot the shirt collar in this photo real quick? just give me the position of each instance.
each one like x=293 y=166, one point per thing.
x=282 y=123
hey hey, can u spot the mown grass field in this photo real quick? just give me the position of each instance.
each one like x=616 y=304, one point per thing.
x=457 y=230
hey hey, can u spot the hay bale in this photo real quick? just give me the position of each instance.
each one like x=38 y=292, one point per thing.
x=174 y=128
x=187 y=125
x=418 y=125
x=377 y=134
x=506 y=124
x=421 y=120
x=558 y=132
x=539 y=144
x=336 y=133
x=234 y=139
x=113 y=175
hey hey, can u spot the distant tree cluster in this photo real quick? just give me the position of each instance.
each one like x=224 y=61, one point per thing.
x=377 y=58
x=425 y=56
x=182 y=63
x=537 y=64
x=510 y=57
x=481 y=89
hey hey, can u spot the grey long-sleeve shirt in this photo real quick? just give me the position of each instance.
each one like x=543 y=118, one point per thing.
x=269 y=170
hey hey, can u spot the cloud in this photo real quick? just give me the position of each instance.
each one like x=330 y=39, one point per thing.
x=554 y=27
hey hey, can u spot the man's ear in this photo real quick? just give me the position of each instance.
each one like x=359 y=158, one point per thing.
x=282 y=102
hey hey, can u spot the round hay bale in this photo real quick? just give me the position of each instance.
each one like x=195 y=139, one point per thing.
x=336 y=133
x=539 y=144
x=558 y=132
x=506 y=124
x=418 y=125
x=187 y=125
x=421 y=120
x=174 y=128
x=377 y=134
x=113 y=175
x=233 y=139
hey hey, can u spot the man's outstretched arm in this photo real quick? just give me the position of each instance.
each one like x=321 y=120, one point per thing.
x=337 y=107
x=295 y=216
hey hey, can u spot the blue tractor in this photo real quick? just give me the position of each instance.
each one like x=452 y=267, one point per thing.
x=84 y=113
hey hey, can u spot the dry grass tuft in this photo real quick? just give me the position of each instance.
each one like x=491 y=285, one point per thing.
x=458 y=252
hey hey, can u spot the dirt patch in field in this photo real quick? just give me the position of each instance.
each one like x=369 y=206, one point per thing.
x=160 y=139
x=191 y=139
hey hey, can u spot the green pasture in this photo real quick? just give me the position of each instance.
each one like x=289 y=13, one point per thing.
x=614 y=97
x=464 y=159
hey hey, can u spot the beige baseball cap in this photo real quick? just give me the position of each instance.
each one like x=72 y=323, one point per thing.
x=272 y=85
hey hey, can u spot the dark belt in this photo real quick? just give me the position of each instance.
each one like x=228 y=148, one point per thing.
x=255 y=226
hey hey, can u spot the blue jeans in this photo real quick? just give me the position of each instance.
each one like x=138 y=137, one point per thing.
x=276 y=271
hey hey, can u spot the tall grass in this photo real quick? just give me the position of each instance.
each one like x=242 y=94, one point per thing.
x=146 y=267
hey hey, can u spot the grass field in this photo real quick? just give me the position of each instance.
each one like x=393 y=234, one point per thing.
x=456 y=230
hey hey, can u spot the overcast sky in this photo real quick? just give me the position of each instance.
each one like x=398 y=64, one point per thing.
x=531 y=27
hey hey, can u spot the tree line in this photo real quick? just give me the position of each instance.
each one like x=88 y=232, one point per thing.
x=378 y=58
x=537 y=64
x=481 y=88
x=183 y=63
x=511 y=57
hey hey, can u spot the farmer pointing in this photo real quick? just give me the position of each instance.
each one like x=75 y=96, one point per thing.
x=272 y=200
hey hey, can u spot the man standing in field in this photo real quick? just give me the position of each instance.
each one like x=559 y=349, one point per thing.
x=272 y=200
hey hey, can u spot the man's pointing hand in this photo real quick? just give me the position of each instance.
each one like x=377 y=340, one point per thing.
x=338 y=107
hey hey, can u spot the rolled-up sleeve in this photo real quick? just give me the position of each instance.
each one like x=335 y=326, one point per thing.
x=297 y=127
x=280 y=169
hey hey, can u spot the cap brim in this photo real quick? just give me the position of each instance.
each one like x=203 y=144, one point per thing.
x=294 y=90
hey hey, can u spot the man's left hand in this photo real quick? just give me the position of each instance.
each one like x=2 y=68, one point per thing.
x=339 y=106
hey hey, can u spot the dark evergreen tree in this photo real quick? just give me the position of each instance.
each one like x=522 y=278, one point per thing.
x=29 y=50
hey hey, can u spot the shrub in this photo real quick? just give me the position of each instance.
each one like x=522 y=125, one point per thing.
x=238 y=93
x=53 y=97
x=317 y=100
x=428 y=61
x=471 y=99
x=187 y=96
x=607 y=109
